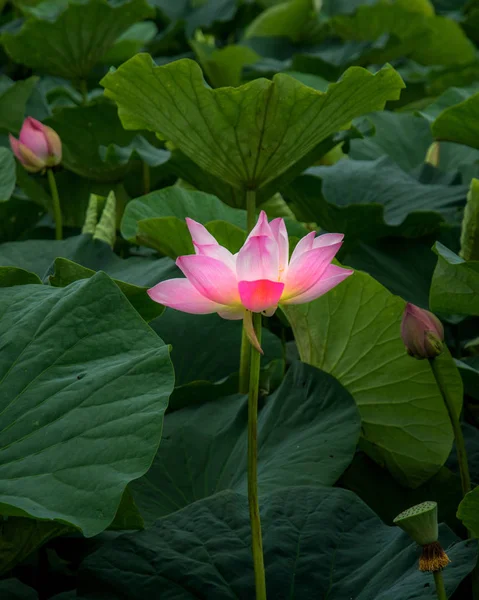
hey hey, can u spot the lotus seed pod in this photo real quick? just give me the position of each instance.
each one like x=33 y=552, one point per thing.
x=420 y=523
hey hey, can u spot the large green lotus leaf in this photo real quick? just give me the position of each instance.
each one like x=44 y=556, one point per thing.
x=455 y=283
x=13 y=100
x=373 y=199
x=84 y=384
x=403 y=266
x=219 y=340
x=38 y=256
x=7 y=174
x=468 y=511
x=387 y=497
x=68 y=38
x=307 y=431
x=459 y=123
x=318 y=543
x=249 y=135
x=353 y=332
x=67 y=271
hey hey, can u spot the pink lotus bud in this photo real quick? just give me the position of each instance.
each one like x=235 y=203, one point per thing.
x=422 y=332
x=38 y=146
x=258 y=278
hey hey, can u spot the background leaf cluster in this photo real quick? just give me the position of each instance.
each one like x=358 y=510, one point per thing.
x=122 y=435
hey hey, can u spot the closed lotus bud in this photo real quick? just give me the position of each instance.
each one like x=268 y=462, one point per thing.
x=422 y=332
x=38 y=146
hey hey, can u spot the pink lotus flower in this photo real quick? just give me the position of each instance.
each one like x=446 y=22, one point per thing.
x=422 y=332
x=258 y=278
x=38 y=146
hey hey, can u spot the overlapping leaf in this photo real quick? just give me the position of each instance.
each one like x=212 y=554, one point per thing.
x=308 y=430
x=313 y=538
x=372 y=199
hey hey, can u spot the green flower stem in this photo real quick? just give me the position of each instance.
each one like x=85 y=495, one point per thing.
x=245 y=345
x=456 y=426
x=256 y=539
x=57 y=211
x=245 y=358
x=146 y=178
x=440 y=589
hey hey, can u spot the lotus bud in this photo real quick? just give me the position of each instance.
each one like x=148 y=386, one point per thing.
x=422 y=332
x=420 y=523
x=38 y=146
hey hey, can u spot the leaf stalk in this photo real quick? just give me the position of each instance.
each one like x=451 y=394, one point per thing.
x=57 y=211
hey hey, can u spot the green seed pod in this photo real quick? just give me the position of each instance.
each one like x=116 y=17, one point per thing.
x=420 y=523
x=470 y=224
